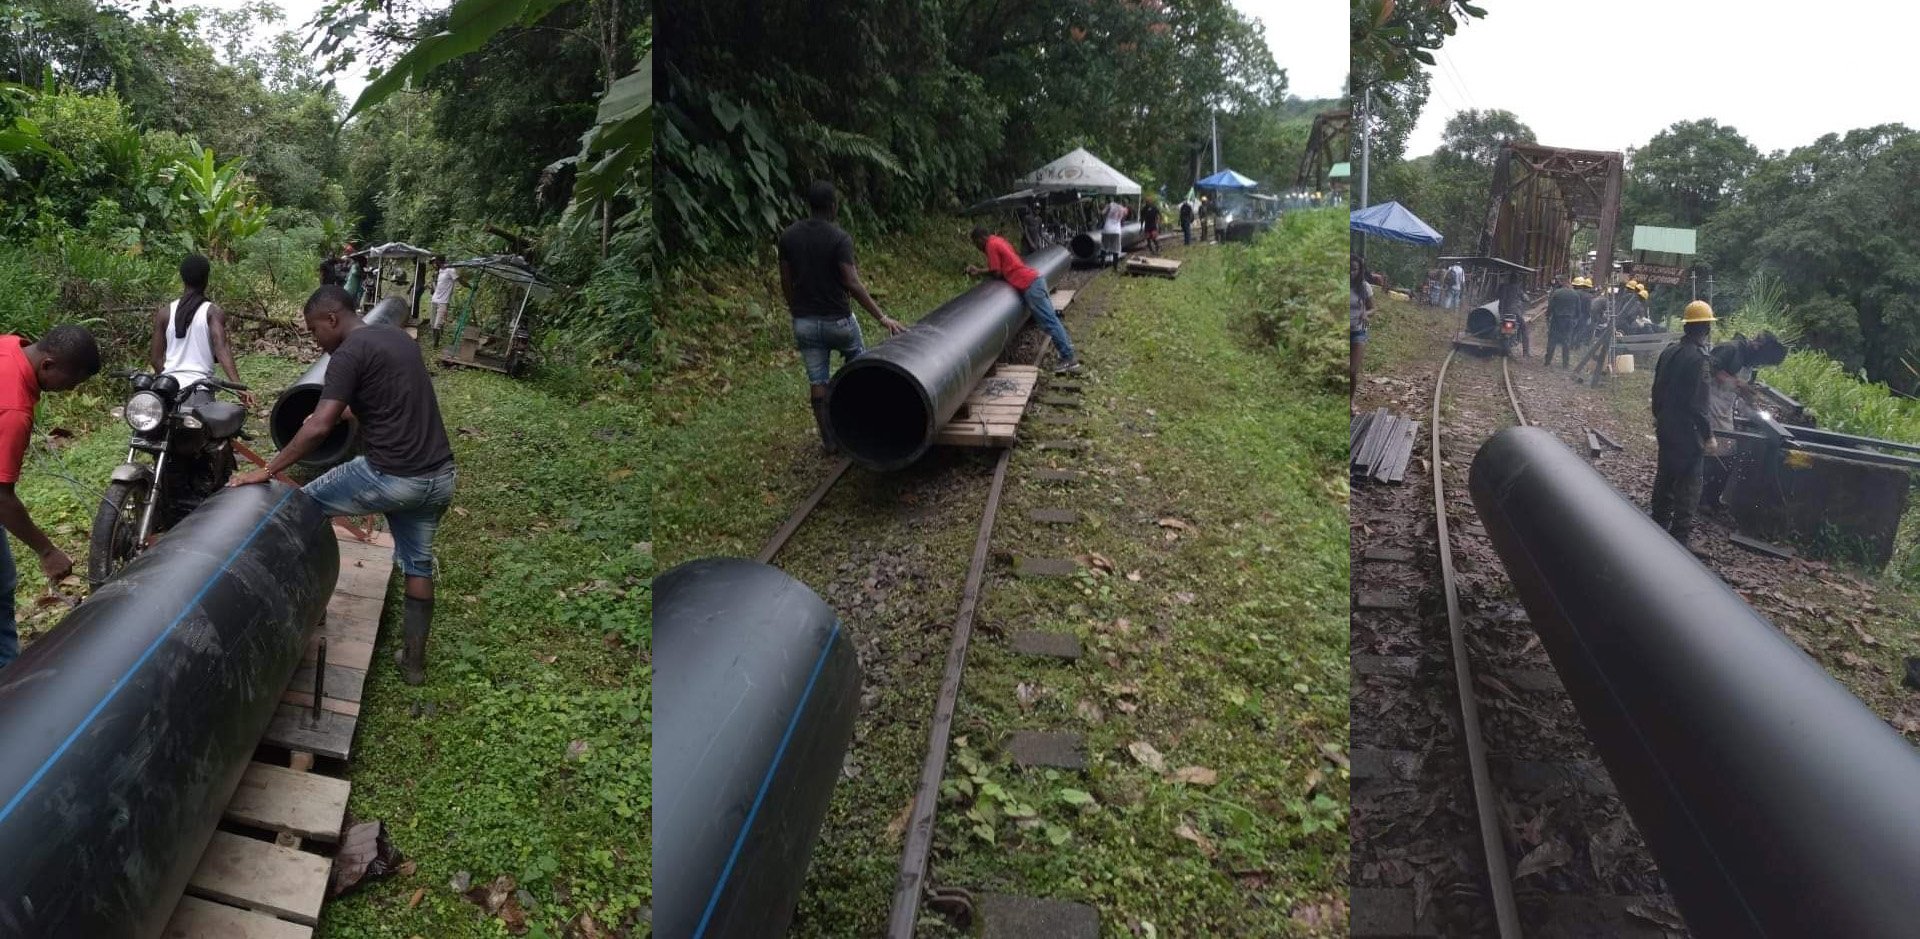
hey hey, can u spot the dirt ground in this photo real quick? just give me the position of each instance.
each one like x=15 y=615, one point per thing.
x=1414 y=828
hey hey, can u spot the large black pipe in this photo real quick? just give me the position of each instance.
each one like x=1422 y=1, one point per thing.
x=1086 y=245
x=886 y=406
x=1774 y=801
x=126 y=729
x=755 y=690
x=296 y=403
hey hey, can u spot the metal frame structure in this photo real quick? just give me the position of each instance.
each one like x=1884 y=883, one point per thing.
x=1328 y=126
x=398 y=254
x=1540 y=195
x=514 y=269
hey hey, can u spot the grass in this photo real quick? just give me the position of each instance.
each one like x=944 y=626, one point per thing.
x=1218 y=493
x=539 y=637
x=1237 y=661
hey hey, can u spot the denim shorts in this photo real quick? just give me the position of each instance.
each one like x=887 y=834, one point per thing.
x=817 y=340
x=1357 y=336
x=413 y=506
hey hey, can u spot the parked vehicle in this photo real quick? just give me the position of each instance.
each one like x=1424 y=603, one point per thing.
x=187 y=439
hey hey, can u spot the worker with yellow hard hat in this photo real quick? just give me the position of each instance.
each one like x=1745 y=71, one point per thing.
x=1682 y=424
x=1564 y=308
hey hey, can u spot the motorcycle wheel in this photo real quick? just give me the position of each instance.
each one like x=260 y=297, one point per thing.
x=111 y=546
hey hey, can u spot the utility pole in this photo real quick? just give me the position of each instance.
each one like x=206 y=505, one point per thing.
x=1213 y=117
x=1366 y=140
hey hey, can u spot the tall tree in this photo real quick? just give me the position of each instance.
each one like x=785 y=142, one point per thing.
x=1686 y=173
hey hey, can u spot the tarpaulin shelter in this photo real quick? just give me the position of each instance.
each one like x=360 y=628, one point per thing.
x=1392 y=221
x=1083 y=172
x=1226 y=179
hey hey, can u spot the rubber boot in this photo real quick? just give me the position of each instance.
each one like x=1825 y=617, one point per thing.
x=826 y=430
x=413 y=651
x=436 y=337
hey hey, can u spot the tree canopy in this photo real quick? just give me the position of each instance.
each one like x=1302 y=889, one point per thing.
x=950 y=101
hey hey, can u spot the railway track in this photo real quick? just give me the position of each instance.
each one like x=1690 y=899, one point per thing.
x=1575 y=867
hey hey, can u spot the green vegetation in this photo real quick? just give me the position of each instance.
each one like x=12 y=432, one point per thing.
x=947 y=104
x=1291 y=280
x=130 y=137
x=527 y=752
x=1215 y=630
x=1228 y=650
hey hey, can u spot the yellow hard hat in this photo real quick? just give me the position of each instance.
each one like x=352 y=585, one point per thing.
x=1697 y=312
x=1643 y=293
x=1582 y=282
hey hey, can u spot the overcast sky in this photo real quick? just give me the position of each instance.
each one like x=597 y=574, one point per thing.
x=1308 y=37
x=1782 y=74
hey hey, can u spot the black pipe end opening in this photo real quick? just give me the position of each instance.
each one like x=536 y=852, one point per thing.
x=292 y=410
x=879 y=415
x=1084 y=246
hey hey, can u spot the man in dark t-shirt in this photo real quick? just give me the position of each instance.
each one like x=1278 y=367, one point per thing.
x=816 y=276
x=407 y=472
x=1150 y=221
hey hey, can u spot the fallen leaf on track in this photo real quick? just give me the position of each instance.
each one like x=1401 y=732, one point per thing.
x=1187 y=832
x=1196 y=775
x=1148 y=756
x=1546 y=857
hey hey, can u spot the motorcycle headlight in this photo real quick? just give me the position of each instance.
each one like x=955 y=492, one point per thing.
x=144 y=411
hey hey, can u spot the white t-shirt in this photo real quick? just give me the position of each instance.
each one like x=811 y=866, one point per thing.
x=443 y=286
x=1455 y=276
x=189 y=358
x=1115 y=213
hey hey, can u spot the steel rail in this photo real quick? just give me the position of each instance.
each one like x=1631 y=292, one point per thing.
x=1499 y=878
x=913 y=860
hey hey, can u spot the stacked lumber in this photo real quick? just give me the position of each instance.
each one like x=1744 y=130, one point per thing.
x=1381 y=445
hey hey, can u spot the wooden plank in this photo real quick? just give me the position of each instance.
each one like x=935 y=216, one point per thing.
x=351 y=652
x=977 y=440
x=350 y=617
x=1063 y=299
x=195 y=918
x=343 y=683
x=333 y=737
x=303 y=700
x=279 y=799
x=263 y=877
x=363 y=581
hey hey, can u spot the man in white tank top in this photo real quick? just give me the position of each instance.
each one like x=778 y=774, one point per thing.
x=1110 y=230
x=190 y=334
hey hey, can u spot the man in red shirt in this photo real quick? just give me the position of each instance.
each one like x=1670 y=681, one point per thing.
x=1006 y=265
x=62 y=360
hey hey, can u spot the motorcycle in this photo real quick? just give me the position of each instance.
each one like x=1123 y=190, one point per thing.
x=190 y=444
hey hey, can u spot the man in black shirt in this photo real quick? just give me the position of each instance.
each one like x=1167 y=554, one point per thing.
x=816 y=275
x=1681 y=423
x=1563 y=310
x=407 y=473
x=1150 y=222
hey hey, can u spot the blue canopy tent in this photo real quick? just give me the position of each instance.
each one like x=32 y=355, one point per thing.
x=1392 y=220
x=1226 y=179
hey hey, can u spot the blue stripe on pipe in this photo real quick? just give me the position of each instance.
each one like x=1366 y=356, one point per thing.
x=21 y=796
x=765 y=783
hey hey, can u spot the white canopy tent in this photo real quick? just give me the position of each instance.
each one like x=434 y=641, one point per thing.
x=1081 y=171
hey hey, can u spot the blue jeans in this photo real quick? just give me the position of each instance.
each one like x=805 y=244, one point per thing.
x=1040 y=304
x=1453 y=298
x=9 y=579
x=818 y=339
x=413 y=506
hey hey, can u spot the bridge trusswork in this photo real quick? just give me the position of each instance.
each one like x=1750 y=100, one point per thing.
x=1539 y=196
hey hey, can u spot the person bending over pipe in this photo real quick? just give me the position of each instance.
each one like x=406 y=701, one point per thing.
x=62 y=360
x=407 y=473
x=190 y=335
x=1004 y=264
x=816 y=276
x=1732 y=364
